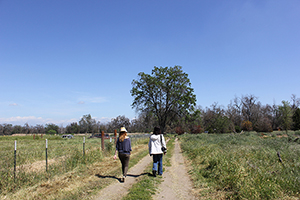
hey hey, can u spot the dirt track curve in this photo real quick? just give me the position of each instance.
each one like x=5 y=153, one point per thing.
x=176 y=183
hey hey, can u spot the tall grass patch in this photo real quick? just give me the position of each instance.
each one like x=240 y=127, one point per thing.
x=245 y=166
x=65 y=156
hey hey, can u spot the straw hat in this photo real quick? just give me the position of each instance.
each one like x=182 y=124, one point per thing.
x=123 y=129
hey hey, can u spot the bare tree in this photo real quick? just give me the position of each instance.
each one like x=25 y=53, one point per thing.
x=295 y=102
x=118 y=122
x=248 y=107
x=6 y=129
x=233 y=112
x=215 y=120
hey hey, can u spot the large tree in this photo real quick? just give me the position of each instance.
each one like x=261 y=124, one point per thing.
x=166 y=93
x=87 y=124
x=118 y=122
x=51 y=128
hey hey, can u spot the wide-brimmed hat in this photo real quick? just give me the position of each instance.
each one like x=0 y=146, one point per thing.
x=123 y=129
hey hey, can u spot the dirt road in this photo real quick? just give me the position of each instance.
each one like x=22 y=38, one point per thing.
x=118 y=190
x=176 y=183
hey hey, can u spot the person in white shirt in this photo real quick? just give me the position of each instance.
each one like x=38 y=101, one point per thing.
x=157 y=148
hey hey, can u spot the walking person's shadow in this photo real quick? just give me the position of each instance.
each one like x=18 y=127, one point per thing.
x=119 y=179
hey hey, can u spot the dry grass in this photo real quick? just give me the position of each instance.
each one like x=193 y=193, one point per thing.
x=80 y=182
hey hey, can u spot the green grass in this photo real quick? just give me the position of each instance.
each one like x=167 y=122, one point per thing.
x=169 y=154
x=145 y=188
x=245 y=166
x=64 y=155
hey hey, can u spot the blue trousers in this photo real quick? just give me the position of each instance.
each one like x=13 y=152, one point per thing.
x=157 y=163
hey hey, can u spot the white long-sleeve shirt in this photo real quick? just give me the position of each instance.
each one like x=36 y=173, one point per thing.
x=155 y=144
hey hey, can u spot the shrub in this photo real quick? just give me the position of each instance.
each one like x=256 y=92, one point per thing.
x=247 y=126
x=196 y=129
x=179 y=130
x=238 y=129
x=51 y=132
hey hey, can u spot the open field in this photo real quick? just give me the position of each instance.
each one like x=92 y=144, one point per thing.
x=222 y=166
x=244 y=166
x=64 y=157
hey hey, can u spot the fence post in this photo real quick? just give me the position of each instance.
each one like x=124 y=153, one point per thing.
x=83 y=146
x=102 y=140
x=46 y=155
x=115 y=136
x=15 y=160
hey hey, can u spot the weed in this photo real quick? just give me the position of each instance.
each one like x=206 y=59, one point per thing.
x=245 y=166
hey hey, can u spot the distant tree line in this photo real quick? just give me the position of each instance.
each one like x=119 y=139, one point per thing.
x=248 y=114
x=166 y=99
x=243 y=113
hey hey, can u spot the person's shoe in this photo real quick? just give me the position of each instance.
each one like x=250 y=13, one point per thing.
x=122 y=179
x=154 y=173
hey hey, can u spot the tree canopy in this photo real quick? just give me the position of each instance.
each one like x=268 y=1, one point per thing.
x=286 y=115
x=166 y=93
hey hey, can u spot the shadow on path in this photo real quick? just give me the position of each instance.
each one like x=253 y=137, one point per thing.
x=114 y=177
x=135 y=176
x=102 y=176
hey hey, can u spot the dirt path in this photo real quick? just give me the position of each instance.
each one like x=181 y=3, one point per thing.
x=118 y=190
x=176 y=184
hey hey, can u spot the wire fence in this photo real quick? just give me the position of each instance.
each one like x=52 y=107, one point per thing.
x=27 y=159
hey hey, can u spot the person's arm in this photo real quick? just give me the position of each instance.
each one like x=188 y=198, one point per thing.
x=130 y=145
x=117 y=146
x=115 y=156
x=164 y=144
x=149 y=147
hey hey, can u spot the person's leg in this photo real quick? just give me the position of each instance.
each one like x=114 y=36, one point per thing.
x=126 y=162
x=155 y=162
x=160 y=164
x=122 y=159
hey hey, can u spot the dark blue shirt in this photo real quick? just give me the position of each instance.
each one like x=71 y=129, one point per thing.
x=124 y=147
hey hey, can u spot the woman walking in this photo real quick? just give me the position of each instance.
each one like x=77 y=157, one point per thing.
x=123 y=146
x=157 y=148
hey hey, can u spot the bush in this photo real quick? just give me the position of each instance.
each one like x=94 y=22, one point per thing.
x=179 y=130
x=238 y=129
x=297 y=132
x=52 y=132
x=247 y=126
x=196 y=129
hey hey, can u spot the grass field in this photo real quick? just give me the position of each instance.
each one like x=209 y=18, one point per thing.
x=64 y=155
x=245 y=166
x=237 y=166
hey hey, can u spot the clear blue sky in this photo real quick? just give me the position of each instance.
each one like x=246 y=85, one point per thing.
x=62 y=59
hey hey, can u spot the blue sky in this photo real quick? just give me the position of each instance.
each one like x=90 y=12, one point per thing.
x=62 y=59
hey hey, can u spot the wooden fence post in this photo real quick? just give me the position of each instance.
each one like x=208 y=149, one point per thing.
x=115 y=135
x=102 y=140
